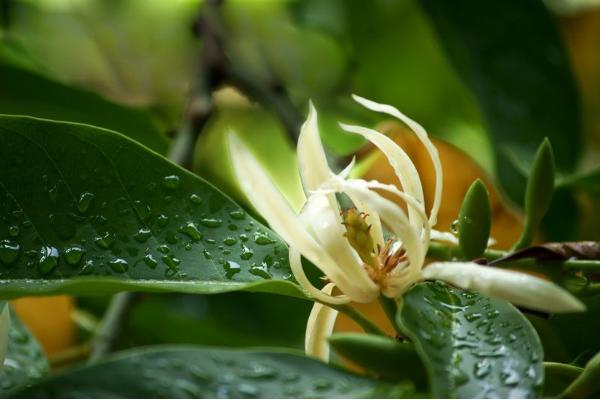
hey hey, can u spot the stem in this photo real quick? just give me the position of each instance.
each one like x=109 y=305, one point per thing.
x=111 y=325
x=447 y=252
x=359 y=318
x=70 y=355
x=390 y=307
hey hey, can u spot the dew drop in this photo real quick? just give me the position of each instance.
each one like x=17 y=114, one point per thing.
x=262 y=239
x=207 y=254
x=194 y=198
x=150 y=261
x=191 y=231
x=322 y=384
x=9 y=252
x=14 y=230
x=459 y=377
x=237 y=214
x=171 y=262
x=259 y=371
x=510 y=377
x=162 y=220
x=231 y=268
x=48 y=259
x=482 y=368
x=105 y=241
x=454 y=226
x=246 y=253
x=88 y=268
x=119 y=265
x=247 y=390
x=53 y=193
x=163 y=248
x=230 y=241
x=170 y=181
x=260 y=270
x=142 y=235
x=73 y=255
x=211 y=222
x=84 y=202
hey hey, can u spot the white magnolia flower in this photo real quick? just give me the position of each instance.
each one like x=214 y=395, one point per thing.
x=349 y=246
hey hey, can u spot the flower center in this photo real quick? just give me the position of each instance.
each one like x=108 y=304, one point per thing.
x=378 y=261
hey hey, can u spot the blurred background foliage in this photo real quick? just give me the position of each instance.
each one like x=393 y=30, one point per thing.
x=487 y=80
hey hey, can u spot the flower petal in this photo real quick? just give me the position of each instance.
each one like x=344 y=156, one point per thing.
x=326 y=225
x=401 y=163
x=312 y=161
x=271 y=204
x=319 y=327
x=423 y=137
x=517 y=287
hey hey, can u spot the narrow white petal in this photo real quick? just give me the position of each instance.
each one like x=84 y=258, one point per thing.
x=449 y=237
x=312 y=161
x=400 y=161
x=326 y=225
x=517 y=287
x=4 y=327
x=298 y=270
x=319 y=327
x=423 y=137
x=265 y=197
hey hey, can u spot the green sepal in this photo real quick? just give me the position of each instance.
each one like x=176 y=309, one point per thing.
x=474 y=221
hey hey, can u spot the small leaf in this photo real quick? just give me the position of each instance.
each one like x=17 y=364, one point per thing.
x=196 y=372
x=587 y=385
x=538 y=195
x=472 y=346
x=25 y=360
x=382 y=356
x=558 y=377
x=89 y=210
x=474 y=221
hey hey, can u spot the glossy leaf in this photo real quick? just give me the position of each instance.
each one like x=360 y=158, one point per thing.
x=381 y=356
x=474 y=221
x=86 y=210
x=558 y=377
x=25 y=360
x=472 y=346
x=538 y=196
x=26 y=93
x=522 y=80
x=195 y=372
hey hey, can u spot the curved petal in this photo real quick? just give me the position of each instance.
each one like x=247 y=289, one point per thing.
x=401 y=163
x=298 y=270
x=319 y=327
x=265 y=197
x=518 y=288
x=423 y=137
x=312 y=161
x=326 y=226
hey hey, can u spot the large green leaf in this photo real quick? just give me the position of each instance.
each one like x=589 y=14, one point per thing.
x=523 y=82
x=472 y=346
x=25 y=360
x=86 y=210
x=195 y=372
x=27 y=93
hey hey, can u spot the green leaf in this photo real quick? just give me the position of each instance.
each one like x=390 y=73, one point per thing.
x=538 y=196
x=195 y=372
x=27 y=93
x=474 y=221
x=588 y=383
x=25 y=361
x=381 y=356
x=522 y=80
x=472 y=346
x=86 y=210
